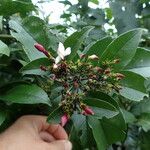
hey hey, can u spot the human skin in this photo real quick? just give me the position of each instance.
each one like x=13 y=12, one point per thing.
x=33 y=133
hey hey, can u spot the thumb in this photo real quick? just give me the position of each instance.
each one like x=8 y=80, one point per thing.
x=61 y=145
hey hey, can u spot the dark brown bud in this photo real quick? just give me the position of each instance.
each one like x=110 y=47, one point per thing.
x=107 y=71
x=43 y=68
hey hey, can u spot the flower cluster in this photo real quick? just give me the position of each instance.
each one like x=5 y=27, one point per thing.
x=77 y=78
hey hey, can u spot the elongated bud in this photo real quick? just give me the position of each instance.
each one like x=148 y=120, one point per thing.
x=116 y=61
x=64 y=120
x=40 y=48
x=93 y=57
x=82 y=56
x=88 y=111
x=119 y=76
x=43 y=68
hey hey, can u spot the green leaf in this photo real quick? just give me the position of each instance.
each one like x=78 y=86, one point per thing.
x=144 y=121
x=129 y=117
x=75 y=40
x=98 y=133
x=39 y=30
x=140 y=63
x=18 y=32
x=124 y=48
x=4 y=49
x=133 y=86
x=95 y=1
x=9 y=7
x=33 y=67
x=3 y=116
x=104 y=130
x=83 y=131
x=55 y=116
x=1 y=22
x=101 y=108
x=112 y=126
x=26 y=94
x=141 y=107
x=98 y=47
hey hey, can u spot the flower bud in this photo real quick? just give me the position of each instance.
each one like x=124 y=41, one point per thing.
x=75 y=84
x=107 y=71
x=93 y=57
x=119 y=76
x=82 y=56
x=116 y=61
x=98 y=69
x=88 y=111
x=43 y=68
x=55 y=66
x=64 y=120
x=40 y=48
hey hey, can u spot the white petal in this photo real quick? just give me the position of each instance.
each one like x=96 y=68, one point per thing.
x=57 y=60
x=61 y=50
x=67 y=51
x=55 y=66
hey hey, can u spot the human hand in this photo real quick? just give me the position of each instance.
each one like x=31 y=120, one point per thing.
x=33 y=133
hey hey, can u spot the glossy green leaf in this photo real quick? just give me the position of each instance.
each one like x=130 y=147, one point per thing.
x=123 y=48
x=26 y=94
x=33 y=67
x=140 y=63
x=98 y=133
x=98 y=47
x=55 y=116
x=75 y=40
x=83 y=131
x=18 y=32
x=133 y=86
x=4 y=49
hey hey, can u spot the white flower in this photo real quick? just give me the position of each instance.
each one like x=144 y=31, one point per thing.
x=62 y=53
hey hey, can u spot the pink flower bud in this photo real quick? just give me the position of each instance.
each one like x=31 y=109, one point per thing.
x=43 y=68
x=119 y=76
x=93 y=57
x=64 y=120
x=40 y=48
x=82 y=56
x=88 y=111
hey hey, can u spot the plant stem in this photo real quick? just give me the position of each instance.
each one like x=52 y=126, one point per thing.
x=6 y=36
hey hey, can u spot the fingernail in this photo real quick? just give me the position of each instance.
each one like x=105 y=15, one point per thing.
x=68 y=145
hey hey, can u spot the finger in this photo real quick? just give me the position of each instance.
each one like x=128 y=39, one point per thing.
x=39 y=124
x=60 y=145
x=58 y=132
x=45 y=136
